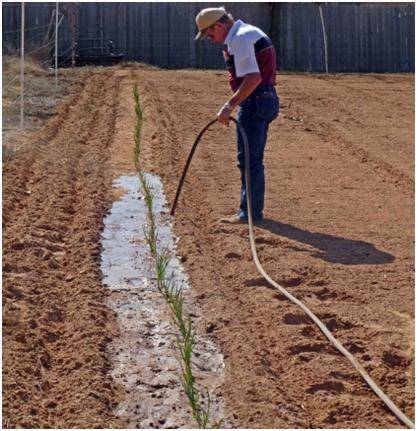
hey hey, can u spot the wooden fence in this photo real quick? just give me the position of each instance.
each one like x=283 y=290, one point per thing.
x=362 y=37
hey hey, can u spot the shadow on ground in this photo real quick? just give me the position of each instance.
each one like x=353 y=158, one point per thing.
x=331 y=248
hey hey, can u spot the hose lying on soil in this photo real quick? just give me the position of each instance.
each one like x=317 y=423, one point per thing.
x=378 y=391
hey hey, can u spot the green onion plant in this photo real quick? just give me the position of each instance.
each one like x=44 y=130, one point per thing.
x=173 y=294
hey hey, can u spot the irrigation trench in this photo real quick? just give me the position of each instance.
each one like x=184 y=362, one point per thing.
x=378 y=391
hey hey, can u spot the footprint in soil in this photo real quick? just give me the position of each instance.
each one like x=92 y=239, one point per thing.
x=257 y=282
x=319 y=282
x=394 y=360
x=264 y=240
x=233 y=256
x=18 y=246
x=354 y=348
x=295 y=319
x=280 y=297
x=332 y=325
x=311 y=347
x=16 y=269
x=333 y=322
x=291 y=281
x=325 y=294
x=328 y=386
x=331 y=418
x=55 y=315
x=308 y=331
x=343 y=376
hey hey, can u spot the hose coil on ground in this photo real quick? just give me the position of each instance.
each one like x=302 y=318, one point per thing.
x=377 y=390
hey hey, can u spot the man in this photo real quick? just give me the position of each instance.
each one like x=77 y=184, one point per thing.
x=251 y=61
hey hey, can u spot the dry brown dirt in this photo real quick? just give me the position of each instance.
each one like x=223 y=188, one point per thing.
x=339 y=234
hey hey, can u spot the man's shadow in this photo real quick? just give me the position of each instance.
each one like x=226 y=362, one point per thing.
x=331 y=248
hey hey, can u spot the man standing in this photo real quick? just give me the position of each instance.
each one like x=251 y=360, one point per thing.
x=251 y=62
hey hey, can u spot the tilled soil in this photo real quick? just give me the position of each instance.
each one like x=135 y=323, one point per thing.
x=55 y=325
x=338 y=234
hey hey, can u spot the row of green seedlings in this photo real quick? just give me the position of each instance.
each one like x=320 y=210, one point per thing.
x=174 y=295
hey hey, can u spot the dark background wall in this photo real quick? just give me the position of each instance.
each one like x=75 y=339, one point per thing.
x=362 y=37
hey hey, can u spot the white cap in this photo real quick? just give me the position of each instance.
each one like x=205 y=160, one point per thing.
x=207 y=17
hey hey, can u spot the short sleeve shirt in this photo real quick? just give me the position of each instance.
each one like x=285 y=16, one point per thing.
x=249 y=50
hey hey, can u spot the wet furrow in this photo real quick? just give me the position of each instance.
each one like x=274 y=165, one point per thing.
x=145 y=360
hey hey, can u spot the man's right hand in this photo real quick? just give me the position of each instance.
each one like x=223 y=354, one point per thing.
x=224 y=114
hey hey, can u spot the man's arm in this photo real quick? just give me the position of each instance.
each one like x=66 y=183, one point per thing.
x=248 y=85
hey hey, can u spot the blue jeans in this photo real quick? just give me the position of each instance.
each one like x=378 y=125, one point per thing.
x=255 y=114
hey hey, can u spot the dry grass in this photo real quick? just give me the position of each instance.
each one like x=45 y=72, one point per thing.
x=137 y=65
x=11 y=76
x=40 y=99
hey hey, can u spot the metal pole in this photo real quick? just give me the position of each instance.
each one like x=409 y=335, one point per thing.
x=72 y=22
x=101 y=28
x=325 y=38
x=56 y=47
x=22 y=61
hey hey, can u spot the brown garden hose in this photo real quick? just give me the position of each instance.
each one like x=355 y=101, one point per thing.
x=378 y=391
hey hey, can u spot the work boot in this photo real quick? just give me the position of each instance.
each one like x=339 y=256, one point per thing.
x=233 y=220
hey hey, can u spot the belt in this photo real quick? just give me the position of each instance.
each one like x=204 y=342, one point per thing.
x=258 y=90
x=264 y=87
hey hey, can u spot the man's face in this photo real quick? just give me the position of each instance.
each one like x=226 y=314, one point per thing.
x=216 y=33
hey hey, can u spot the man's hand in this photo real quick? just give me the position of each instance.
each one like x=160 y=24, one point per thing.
x=248 y=85
x=224 y=114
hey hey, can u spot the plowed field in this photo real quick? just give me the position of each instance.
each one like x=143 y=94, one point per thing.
x=339 y=234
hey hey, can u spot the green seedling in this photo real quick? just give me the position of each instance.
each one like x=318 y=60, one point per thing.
x=174 y=295
x=161 y=265
x=151 y=235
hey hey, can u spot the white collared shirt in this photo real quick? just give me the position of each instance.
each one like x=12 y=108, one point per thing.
x=240 y=41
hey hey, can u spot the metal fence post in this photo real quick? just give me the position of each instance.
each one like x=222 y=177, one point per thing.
x=56 y=47
x=324 y=33
x=22 y=61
